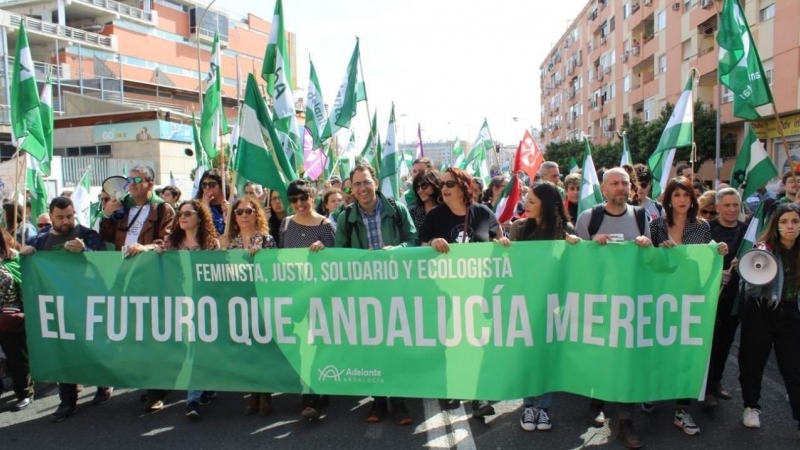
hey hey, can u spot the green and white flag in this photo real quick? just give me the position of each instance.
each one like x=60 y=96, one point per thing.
x=277 y=72
x=203 y=163
x=573 y=166
x=459 y=158
x=347 y=160
x=35 y=184
x=46 y=111
x=259 y=157
x=369 y=154
x=677 y=134
x=213 y=120
x=753 y=167
x=740 y=66
x=389 y=179
x=757 y=224
x=330 y=161
x=351 y=91
x=590 y=186
x=26 y=118
x=626 y=152
x=478 y=164
x=316 y=117
x=82 y=200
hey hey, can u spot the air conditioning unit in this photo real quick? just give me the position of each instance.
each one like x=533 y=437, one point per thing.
x=707 y=4
x=607 y=69
x=676 y=6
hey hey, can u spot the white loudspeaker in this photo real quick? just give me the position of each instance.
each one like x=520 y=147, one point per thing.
x=758 y=267
x=115 y=187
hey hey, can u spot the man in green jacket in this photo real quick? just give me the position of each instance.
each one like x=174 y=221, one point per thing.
x=374 y=222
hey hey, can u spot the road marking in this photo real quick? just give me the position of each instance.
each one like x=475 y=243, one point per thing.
x=438 y=422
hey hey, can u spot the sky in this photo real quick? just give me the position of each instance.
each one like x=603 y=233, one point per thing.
x=446 y=64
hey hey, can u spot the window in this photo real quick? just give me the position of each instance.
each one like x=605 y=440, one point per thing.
x=767 y=65
x=767 y=12
x=611 y=24
x=727 y=94
x=687 y=5
x=612 y=91
x=590 y=74
x=626 y=10
x=661 y=20
x=662 y=64
x=612 y=58
x=687 y=49
x=626 y=83
x=648 y=110
x=104 y=150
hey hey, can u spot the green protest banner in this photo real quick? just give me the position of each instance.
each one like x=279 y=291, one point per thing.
x=615 y=322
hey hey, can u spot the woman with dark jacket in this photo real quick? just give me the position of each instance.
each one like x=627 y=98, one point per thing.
x=427 y=194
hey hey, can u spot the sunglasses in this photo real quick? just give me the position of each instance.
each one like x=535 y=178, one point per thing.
x=186 y=213
x=42 y=225
x=347 y=191
x=451 y=183
x=422 y=186
x=297 y=198
x=136 y=180
x=209 y=185
x=705 y=212
x=248 y=211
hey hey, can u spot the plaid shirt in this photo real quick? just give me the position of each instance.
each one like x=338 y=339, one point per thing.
x=373 y=225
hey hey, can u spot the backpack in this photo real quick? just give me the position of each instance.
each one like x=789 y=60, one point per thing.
x=598 y=212
x=398 y=222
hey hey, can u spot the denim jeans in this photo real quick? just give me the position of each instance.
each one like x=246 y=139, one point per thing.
x=545 y=401
x=193 y=396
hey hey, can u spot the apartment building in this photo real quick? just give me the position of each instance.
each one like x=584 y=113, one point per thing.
x=109 y=59
x=629 y=58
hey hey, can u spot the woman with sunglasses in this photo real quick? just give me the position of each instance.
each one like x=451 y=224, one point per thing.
x=459 y=220
x=708 y=205
x=249 y=231
x=193 y=230
x=771 y=317
x=210 y=193
x=427 y=194
x=276 y=213
x=681 y=226
x=306 y=229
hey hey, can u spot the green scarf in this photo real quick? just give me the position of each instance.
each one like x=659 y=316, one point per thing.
x=128 y=202
x=14 y=268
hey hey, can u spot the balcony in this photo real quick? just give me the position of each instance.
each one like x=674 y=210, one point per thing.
x=36 y=27
x=120 y=9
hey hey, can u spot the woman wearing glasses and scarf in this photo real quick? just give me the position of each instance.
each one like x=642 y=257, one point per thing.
x=249 y=231
x=210 y=193
x=306 y=229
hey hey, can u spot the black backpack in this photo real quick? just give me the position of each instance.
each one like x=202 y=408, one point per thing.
x=348 y=225
x=598 y=212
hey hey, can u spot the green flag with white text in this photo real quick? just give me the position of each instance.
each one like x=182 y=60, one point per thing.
x=276 y=57
x=26 y=118
x=740 y=66
x=753 y=167
x=351 y=91
x=316 y=116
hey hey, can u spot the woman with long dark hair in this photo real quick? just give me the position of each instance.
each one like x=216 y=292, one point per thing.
x=771 y=317
x=427 y=193
x=13 y=339
x=193 y=229
x=331 y=200
x=681 y=226
x=276 y=213
x=546 y=218
x=459 y=220
x=210 y=193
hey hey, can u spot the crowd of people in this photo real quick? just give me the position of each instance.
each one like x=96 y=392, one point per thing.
x=441 y=210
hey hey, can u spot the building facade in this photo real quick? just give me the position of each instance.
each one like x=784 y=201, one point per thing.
x=109 y=57
x=620 y=59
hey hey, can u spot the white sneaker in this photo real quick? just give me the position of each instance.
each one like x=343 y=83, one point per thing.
x=750 y=418
x=528 y=419
x=684 y=421
x=543 y=421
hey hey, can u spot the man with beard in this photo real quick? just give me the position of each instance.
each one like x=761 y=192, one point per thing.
x=66 y=235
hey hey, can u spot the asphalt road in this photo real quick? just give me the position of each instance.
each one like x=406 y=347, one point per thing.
x=121 y=424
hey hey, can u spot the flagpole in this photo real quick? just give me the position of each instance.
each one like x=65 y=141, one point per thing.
x=366 y=100
x=693 y=152
x=17 y=192
x=785 y=142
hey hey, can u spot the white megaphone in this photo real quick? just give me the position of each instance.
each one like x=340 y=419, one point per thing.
x=115 y=187
x=758 y=267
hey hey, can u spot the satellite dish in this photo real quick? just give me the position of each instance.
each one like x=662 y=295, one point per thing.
x=758 y=267
x=115 y=187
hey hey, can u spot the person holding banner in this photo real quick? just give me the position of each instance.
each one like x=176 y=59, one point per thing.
x=12 y=325
x=375 y=222
x=311 y=230
x=427 y=190
x=249 y=231
x=546 y=218
x=771 y=317
x=193 y=230
x=681 y=226
x=460 y=220
x=210 y=193
x=615 y=221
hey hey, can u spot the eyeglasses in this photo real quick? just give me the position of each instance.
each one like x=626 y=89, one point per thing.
x=136 y=180
x=104 y=199
x=248 y=211
x=365 y=183
x=705 y=212
x=187 y=213
x=209 y=185
x=42 y=225
x=451 y=183
x=422 y=186
x=347 y=191
x=297 y=198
